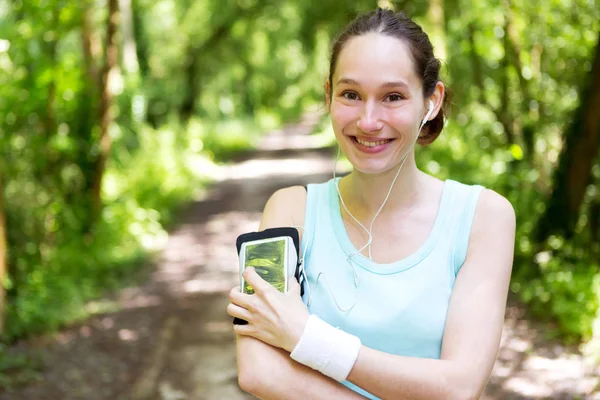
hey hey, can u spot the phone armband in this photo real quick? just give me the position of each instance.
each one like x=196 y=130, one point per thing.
x=274 y=254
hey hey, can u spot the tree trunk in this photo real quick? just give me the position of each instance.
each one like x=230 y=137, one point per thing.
x=188 y=105
x=574 y=170
x=504 y=113
x=86 y=116
x=192 y=77
x=49 y=163
x=527 y=127
x=476 y=65
x=50 y=120
x=139 y=37
x=90 y=45
x=108 y=72
x=130 y=59
x=3 y=256
x=437 y=28
x=192 y=66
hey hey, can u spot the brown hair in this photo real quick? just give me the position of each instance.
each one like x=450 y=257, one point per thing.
x=398 y=25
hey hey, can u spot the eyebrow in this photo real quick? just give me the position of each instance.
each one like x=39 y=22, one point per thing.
x=384 y=85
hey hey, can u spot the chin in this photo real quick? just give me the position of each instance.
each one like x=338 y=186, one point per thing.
x=373 y=164
x=372 y=167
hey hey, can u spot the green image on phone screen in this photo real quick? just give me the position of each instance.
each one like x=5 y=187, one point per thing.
x=268 y=259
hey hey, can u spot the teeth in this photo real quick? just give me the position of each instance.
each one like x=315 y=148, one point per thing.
x=372 y=144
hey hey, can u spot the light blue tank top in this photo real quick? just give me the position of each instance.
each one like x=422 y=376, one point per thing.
x=400 y=307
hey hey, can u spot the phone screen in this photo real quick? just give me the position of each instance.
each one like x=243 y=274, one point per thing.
x=268 y=259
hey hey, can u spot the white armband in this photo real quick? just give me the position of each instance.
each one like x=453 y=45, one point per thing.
x=327 y=349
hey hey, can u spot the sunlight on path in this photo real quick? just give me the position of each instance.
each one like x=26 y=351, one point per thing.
x=531 y=367
x=199 y=267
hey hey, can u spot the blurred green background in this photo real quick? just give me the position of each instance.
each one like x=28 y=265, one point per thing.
x=111 y=112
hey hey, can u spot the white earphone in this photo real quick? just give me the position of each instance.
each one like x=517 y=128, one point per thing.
x=369 y=231
x=427 y=115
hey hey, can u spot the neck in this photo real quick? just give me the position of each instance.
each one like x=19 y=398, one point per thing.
x=365 y=193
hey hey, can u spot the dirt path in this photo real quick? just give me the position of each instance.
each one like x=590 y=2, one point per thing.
x=170 y=339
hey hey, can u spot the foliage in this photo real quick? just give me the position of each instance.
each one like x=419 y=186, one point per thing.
x=508 y=119
x=81 y=267
x=199 y=80
x=221 y=140
x=17 y=370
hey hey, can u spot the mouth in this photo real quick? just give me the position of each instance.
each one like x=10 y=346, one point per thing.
x=371 y=146
x=371 y=143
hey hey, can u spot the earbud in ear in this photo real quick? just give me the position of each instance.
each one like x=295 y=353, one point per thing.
x=431 y=105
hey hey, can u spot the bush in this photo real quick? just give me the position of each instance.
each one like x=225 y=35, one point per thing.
x=59 y=270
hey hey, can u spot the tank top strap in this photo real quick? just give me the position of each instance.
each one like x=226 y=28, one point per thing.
x=464 y=202
x=313 y=194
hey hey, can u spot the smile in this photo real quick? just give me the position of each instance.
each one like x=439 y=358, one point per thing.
x=370 y=143
x=371 y=146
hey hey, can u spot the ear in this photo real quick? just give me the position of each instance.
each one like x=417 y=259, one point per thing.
x=438 y=100
x=328 y=93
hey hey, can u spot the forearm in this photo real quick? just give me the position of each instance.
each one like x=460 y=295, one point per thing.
x=270 y=373
x=396 y=377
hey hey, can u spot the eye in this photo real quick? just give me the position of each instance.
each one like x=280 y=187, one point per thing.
x=349 y=95
x=394 y=97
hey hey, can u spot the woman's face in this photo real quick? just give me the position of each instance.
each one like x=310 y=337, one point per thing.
x=376 y=102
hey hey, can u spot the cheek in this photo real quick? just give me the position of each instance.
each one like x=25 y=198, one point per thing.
x=342 y=115
x=403 y=118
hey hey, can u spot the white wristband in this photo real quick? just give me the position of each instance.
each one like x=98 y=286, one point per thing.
x=327 y=349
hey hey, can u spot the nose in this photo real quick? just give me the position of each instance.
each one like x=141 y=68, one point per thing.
x=369 y=120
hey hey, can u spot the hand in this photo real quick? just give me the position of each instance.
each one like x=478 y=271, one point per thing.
x=273 y=317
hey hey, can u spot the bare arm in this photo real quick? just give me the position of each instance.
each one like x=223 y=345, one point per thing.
x=473 y=326
x=268 y=372
x=471 y=336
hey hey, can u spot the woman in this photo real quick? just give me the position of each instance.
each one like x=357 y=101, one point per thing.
x=407 y=275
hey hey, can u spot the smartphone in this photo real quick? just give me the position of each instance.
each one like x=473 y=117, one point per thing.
x=274 y=260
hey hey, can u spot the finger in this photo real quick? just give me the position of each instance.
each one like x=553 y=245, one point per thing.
x=239 y=312
x=240 y=299
x=258 y=284
x=234 y=291
x=244 y=330
x=294 y=287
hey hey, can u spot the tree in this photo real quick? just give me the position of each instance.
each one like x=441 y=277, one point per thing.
x=3 y=251
x=108 y=74
x=130 y=58
x=574 y=171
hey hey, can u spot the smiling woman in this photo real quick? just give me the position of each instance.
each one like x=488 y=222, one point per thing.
x=406 y=275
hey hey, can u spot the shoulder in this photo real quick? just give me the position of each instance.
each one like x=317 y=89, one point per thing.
x=490 y=251
x=493 y=230
x=490 y=206
x=285 y=207
x=494 y=208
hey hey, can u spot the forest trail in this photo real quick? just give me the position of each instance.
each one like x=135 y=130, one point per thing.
x=171 y=339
